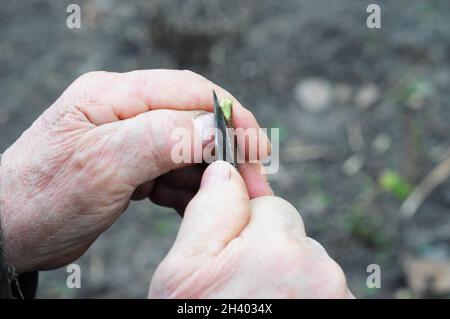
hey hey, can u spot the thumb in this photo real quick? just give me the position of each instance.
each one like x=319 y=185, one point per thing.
x=145 y=144
x=218 y=213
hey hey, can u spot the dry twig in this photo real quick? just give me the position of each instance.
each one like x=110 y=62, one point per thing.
x=438 y=175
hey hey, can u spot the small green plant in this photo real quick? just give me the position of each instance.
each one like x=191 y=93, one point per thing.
x=391 y=182
x=366 y=226
x=412 y=92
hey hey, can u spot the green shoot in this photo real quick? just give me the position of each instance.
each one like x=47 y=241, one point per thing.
x=226 y=105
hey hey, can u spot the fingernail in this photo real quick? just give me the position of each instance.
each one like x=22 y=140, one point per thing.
x=216 y=173
x=204 y=126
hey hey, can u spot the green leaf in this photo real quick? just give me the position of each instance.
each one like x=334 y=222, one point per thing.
x=226 y=105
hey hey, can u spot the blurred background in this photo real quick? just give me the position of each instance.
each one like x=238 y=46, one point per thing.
x=363 y=114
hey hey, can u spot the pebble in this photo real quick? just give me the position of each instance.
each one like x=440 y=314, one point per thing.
x=367 y=96
x=314 y=94
x=353 y=165
x=382 y=143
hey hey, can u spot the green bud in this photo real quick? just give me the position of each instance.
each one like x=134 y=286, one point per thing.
x=226 y=105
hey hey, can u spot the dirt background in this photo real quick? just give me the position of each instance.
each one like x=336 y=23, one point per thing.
x=363 y=116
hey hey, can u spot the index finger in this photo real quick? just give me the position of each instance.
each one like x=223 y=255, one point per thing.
x=105 y=97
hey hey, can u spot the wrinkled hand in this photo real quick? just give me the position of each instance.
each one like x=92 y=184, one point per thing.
x=106 y=140
x=229 y=246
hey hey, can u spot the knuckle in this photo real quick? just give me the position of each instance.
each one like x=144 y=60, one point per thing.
x=279 y=204
x=87 y=88
x=165 y=123
x=318 y=246
x=294 y=260
x=281 y=213
x=284 y=204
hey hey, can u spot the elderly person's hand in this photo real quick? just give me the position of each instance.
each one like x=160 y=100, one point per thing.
x=231 y=246
x=105 y=141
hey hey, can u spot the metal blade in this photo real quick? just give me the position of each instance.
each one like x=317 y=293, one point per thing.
x=224 y=148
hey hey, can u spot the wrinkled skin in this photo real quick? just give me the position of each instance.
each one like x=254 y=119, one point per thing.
x=232 y=246
x=105 y=141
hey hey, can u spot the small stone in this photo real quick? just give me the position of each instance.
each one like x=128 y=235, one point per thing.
x=367 y=96
x=314 y=94
x=353 y=165
x=382 y=143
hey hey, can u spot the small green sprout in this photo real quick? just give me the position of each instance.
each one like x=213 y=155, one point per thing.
x=393 y=183
x=226 y=105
